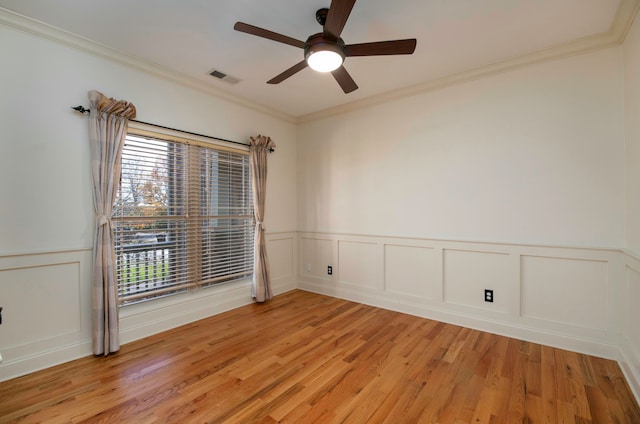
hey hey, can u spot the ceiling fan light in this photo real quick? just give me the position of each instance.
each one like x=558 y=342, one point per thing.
x=324 y=60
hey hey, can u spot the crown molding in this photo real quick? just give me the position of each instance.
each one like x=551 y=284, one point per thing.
x=625 y=16
x=616 y=35
x=23 y=23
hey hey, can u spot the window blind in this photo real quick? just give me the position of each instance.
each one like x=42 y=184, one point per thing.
x=183 y=217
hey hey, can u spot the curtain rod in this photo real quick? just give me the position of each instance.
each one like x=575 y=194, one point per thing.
x=82 y=109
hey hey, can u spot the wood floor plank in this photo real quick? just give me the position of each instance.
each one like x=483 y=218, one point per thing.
x=307 y=358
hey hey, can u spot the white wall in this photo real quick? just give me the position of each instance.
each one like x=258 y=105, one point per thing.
x=512 y=182
x=631 y=330
x=534 y=155
x=46 y=211
x=632 y=114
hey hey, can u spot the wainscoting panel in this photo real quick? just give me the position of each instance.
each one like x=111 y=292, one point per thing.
x=630 y=346
x=358 y=263
x=44 y=300
x=281 y=249
x=468 y=273
x=411 y=271
x=47 y=310
x=315 y=255
x=567 y=291
x=632 y=299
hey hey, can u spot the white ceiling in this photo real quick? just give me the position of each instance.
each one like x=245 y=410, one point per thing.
x=191 y=37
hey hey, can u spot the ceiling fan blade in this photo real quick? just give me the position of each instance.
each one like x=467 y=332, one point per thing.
x=337 y=17
x=289 y=72
x=270 y=35
x=344 y=79
x=381 y=48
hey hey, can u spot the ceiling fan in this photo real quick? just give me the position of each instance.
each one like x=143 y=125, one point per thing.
x=326 y=51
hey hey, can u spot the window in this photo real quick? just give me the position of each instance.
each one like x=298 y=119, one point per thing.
x=183 y=216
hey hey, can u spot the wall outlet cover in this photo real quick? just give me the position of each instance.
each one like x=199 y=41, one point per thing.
x=488 y=295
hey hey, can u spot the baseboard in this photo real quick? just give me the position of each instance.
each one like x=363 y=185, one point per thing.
x=547 y=338
x=629 y=361
x=45 y=359
x=283 y=288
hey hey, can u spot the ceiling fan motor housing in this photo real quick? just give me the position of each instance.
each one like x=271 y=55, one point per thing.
x=317 y=42
x=324 y=55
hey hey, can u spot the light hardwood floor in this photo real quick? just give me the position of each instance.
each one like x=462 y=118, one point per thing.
x=306 y=358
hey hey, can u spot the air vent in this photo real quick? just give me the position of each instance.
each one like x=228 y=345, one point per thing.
x=224 y=77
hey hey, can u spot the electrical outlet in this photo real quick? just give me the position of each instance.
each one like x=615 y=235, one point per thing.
x=488 y=295
x=330 y=270
x=308 y=267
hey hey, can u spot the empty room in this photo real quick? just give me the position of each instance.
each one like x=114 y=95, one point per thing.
x=330 y=211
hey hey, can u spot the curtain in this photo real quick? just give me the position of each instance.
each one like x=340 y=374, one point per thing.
x=258 y=149
x=108 y=122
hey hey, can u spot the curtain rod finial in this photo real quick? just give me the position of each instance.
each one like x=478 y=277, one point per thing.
x=80 y=109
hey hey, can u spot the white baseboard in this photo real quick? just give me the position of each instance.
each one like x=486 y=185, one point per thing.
x=283 y=288
x=629 y=360
x=541 y=336
x=44 y=359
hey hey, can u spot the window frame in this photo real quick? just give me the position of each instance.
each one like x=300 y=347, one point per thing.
x=194 y=249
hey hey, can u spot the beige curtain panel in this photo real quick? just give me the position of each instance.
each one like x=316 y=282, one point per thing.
x=108 y=123
x=258 y=149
